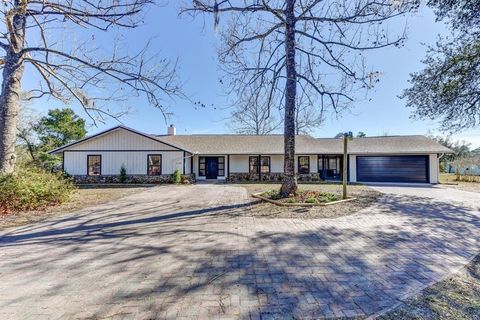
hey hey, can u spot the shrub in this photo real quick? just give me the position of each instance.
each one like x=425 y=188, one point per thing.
x=272 y=194
x=33 y=188
x=123 y=174
x=327 y=197
x=311 y=200
x=177 y=177
x=442 y=167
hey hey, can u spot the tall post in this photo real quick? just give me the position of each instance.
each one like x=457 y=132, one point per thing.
x=345 y=163
x=259 y=168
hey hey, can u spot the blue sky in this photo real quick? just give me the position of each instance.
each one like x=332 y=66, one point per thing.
x=194 y=43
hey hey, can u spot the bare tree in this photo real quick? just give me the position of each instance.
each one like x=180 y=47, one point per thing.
x=308 y=116
x=251 y=115
x=285 y=46
x=74 y=71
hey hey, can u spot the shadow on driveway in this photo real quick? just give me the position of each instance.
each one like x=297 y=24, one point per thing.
x=212 y=262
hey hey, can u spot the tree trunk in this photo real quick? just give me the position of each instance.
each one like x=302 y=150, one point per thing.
x=289 y=185
x=10 y=95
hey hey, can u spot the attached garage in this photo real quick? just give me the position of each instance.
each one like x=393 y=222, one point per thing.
x=398 y=168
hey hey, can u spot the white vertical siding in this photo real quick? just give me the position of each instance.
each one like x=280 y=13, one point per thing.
x=353 y=168
x=188 y=162
x=239 y=163
x=75 y=163
x=121 y=139
x=434 y=168
x=276 y=163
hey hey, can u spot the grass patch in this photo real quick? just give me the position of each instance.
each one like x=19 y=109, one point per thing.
x=454 y=178
x=450 y=180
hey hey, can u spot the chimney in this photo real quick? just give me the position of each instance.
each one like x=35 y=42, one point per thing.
x=171 y=130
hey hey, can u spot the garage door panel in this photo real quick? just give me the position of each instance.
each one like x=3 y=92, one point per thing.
x=392 y=168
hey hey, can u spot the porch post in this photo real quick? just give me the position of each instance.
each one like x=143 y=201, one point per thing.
x=228 y=166
x=259 y=168
x=184 y=159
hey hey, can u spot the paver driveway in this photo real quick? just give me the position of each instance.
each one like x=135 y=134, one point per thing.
x=191 y=252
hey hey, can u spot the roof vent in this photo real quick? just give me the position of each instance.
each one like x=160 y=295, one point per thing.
x=172 y=130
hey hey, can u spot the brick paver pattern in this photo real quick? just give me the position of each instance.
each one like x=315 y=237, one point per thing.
x=192 y=252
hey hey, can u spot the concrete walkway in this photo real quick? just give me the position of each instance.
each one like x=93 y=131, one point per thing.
x=191 y=252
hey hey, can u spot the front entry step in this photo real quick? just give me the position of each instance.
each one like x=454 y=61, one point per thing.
x=211 y=181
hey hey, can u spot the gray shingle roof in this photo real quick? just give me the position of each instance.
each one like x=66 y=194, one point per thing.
x=396 y=144
x=305 y=144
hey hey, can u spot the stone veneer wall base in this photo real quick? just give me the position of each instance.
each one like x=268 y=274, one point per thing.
x=133 y=179
x=270 y=177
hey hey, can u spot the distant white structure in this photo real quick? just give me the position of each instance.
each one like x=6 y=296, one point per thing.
x=470 y=166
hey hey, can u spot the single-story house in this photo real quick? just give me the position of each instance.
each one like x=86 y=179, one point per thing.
x=154 y=158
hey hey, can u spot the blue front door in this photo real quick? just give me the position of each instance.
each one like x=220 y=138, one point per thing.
x=211 y=165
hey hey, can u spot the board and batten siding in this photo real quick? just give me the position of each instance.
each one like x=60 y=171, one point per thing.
x=123 y=147
x=123 y=140
x=75 y=163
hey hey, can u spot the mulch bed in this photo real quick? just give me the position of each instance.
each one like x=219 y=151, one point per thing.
x=364 y=195
x=302 y=198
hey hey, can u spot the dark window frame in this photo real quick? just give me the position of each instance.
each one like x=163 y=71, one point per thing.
x=88 y=165
x=259 y=166
x=204 y=166
x=255 y=158
x=218 y=166
x=301 y=171
x=269 y=164
x=325 y=170
x=148 y=164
